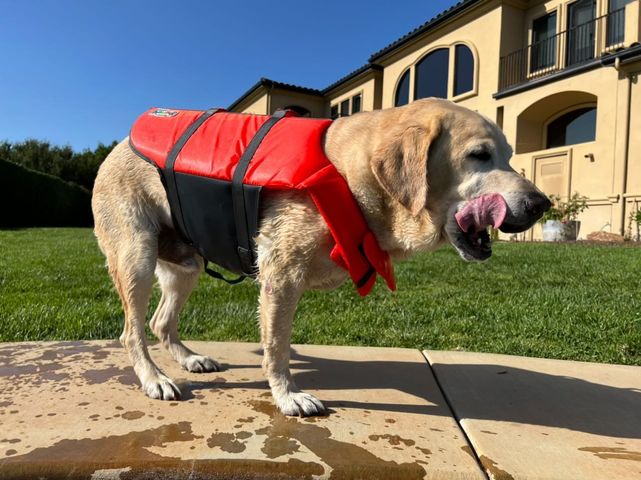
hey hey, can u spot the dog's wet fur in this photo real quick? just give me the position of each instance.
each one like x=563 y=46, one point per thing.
x=410 y=168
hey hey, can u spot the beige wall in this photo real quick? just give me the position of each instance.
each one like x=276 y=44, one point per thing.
x=595 y=169
x=369 y=87
x=633 y=190
x=257 y=106
x=480 y=30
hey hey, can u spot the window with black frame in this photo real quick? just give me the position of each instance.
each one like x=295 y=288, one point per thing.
x=431 y=77
x=543 y=50
x=402 y=96
x=356 y=104
x=345 y=108
x=581 y=31
x=616 y=22
x=576 y=126
x=463 y=69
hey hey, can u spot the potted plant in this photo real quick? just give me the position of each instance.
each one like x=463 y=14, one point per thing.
x=560 y=221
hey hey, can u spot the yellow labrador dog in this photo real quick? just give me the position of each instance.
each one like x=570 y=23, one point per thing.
x=416 y=172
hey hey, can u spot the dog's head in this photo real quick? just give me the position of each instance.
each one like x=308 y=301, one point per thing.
x=447 y=161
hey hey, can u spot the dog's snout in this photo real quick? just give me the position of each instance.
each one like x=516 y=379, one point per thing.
x=536 y=204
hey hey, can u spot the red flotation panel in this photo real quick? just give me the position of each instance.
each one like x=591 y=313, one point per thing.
x=290 y=156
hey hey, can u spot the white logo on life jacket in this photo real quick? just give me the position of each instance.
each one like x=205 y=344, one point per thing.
x=163 y=112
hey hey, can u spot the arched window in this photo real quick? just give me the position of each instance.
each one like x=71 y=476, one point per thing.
x=402 y=96
x=577 y=126
x=301 y=111
x=463 y=69
x=431 y=75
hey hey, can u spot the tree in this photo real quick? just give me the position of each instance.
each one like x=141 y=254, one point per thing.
x=77 y=167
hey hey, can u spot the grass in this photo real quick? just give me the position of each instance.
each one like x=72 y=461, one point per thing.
x=567 y=301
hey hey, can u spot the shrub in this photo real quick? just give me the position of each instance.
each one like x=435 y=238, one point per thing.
x=565 y=211
x=34 y=199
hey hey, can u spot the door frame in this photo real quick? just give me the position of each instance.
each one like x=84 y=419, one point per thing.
x=568 y=170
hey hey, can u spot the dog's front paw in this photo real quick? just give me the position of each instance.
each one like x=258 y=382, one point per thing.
x=161 y=388
x=299 y=404
x=200 y=364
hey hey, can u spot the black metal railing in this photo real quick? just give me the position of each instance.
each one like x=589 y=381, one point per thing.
x=578 y=45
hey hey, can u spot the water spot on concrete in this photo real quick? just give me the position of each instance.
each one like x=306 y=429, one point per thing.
x=95 y=415
x=51 y=355
x=133 y=415
x=392 y=439
x=614 y=453
x=160 y=417
x=390 y=420
x=10 y=440
x=83 y=404
x=173 y=404
x=436 y=429
x=243 y=435
x=346 y=459
x=5 y=404
x=275 y=447
x=489 y=433
x=124 y=376
x=425 y=451
x=495 y=472
x=468 y=450
x=11 y=370
x=119 y=407
x=226 y=442
x=87 y=455
x=11 y=451
x=246 y=420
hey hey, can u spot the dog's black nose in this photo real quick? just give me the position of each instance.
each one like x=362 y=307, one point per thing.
x=537 y=204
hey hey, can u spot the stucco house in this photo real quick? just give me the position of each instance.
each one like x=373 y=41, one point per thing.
x=559 y=77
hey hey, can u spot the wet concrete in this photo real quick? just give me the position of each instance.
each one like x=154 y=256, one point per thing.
x=75 y=410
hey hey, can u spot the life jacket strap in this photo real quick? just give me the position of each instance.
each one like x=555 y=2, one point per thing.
x=244 y=243
x=170 y=174
x=213 y=273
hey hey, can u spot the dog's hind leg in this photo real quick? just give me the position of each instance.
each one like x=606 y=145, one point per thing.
x=177 y=282
x=132 y=269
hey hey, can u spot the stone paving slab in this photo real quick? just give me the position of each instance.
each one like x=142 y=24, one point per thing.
x=543 y=419
x=74 y=410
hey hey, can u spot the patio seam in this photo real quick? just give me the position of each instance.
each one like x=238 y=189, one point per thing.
x=454 y=415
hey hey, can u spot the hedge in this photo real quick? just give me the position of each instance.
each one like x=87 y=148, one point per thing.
x=33 y=199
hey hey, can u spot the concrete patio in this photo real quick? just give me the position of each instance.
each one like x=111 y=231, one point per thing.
x=74 y=410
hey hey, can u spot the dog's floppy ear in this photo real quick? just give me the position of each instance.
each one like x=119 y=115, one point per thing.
x=400 y=163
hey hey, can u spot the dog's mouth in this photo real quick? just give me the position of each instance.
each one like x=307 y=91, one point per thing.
x=467 y=228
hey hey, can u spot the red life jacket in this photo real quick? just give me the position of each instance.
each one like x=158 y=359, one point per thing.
x=215 y=164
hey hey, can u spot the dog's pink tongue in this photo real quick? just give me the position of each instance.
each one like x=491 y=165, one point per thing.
x=482 y=212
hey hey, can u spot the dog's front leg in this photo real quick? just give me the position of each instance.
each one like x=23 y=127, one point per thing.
x=277 y=307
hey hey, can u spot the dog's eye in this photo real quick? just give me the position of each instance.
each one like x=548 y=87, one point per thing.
x=481 y=155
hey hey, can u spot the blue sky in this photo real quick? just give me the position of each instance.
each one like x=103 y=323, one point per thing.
x=80 y=72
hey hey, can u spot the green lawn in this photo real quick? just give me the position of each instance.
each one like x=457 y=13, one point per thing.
x=566 y=301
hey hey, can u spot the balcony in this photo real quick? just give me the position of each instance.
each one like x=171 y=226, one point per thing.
x=570 y=48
